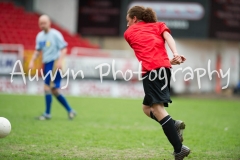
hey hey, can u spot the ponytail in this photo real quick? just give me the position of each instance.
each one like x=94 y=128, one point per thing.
x=149 y=16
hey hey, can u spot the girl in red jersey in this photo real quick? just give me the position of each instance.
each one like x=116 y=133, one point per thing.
x=147 y=38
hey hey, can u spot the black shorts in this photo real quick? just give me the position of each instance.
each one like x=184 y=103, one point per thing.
x=157 y=87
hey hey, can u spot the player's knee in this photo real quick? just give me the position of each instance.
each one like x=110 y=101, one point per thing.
x=146 y=110
x=158 y=108
x=47 y=89
x=55 y=91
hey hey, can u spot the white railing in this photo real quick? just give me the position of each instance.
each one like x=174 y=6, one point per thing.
x=9 y=54
x=13 y=47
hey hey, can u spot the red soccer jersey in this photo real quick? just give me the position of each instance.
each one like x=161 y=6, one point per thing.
x=146 y=39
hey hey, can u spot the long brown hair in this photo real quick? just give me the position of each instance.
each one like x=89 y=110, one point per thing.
x=145 y=14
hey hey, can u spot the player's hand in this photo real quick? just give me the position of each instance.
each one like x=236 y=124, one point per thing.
x=174 y=61
x=59 y=64
x=177 y=59
x=31 y=65
x=183 y=58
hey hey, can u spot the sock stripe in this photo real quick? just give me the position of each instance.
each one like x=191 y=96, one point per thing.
x=166 y=121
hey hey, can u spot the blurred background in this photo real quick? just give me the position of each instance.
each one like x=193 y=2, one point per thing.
x=206 y=32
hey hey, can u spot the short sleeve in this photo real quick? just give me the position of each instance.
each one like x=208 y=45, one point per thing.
x=61 y=43
x=38 y=45
x=126 y=35
x=163 y=27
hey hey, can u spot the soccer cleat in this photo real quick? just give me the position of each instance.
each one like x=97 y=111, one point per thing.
x=71 y=115
x=185 y=151
x=180 y=126
x=44 y=117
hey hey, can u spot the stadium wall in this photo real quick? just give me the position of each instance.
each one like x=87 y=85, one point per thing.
x=201 y=52
x=198 y=52
x=63 y=12
x=90 y=88
x=204 y=58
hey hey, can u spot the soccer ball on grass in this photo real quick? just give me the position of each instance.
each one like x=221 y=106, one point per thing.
x=5 y=127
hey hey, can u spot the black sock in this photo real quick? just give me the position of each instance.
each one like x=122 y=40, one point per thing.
x=154 y=118
x=173 y=121
x=171 y=133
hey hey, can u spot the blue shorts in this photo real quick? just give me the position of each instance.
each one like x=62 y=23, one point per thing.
x=50 y=68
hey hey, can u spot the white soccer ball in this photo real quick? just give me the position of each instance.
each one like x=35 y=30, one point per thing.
x=5 y=127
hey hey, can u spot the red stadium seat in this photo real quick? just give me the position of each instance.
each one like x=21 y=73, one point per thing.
x=20 y=27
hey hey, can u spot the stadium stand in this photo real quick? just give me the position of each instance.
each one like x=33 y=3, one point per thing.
x=20 y=27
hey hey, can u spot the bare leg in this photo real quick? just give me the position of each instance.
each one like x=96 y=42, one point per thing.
x=146 y=110
x=165 y=120
x=159 y=111
x=149 y=112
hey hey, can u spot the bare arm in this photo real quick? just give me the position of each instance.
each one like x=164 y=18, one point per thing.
x=60 y=59
x=34 y=57
x=63 y=53
x=171 y=43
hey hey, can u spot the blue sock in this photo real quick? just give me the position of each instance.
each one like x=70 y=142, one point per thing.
x=48 y=100
x=64 y=102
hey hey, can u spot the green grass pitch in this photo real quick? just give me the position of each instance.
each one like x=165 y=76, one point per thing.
x=117 y=129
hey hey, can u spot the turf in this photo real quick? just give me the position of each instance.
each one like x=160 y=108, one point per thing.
x=117 y=129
